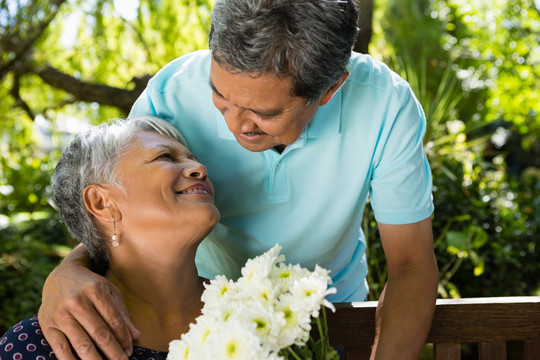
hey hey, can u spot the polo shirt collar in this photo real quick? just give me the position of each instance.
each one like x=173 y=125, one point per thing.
x=326 y=122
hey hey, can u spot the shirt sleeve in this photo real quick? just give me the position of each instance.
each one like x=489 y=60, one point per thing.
x=143 y=105
x=401 y=185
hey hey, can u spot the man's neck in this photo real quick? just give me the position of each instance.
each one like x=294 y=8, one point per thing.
x=280 y=148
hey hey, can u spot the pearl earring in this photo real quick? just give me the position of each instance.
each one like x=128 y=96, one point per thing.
x=114 y=237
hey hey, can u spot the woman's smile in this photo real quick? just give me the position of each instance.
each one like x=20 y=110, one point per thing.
x=199 y=188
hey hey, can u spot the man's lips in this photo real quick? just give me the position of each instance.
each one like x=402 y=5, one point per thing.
x=195 y=189
x=252 y=135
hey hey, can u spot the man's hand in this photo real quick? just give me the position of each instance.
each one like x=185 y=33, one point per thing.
x=83 y=312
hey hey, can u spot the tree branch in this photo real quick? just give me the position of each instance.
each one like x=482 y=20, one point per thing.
x=90 y=92
x=19 y=101
x=27 y=43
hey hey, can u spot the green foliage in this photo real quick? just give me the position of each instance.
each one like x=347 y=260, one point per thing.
x=497 y=45
x=24 y=170
x=30 y=248
x=485 y=218
x=473 y=65
x=113 y=44
x=93 y=41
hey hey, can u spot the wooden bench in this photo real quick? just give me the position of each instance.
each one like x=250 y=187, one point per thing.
x=490 y=322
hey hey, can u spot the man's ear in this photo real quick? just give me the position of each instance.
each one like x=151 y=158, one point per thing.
x=98 y=202
x=328 y=95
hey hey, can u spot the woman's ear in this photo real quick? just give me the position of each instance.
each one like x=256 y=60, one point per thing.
x=328 y=95
x=98 y=202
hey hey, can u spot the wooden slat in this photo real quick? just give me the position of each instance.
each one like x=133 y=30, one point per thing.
x=486 y=320
x=531 y=349
x=455 y=321
x=447 y=351
x=358 y=352
x=353 y=324
x=492 y=350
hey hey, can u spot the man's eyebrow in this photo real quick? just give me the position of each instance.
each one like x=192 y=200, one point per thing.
x=214 y=88
x=272 y=112
x=269 y=112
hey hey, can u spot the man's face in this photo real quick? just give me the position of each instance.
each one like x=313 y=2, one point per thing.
x=259 y=111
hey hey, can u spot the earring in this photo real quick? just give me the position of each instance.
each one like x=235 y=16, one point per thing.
x=114 y=237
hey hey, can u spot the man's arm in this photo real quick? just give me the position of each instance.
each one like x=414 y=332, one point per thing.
x=83 y=310
x=407 y=304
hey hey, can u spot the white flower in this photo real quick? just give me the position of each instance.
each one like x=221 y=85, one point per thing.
x=312 y=289
x=233 y=340
x=260 y=266
x=178 y=350
x=221 y=288
x=284 y=275
x=195 y=339
x=297 y=322
x=218 y=291
x=224 y=311
x=269 y=308
x=265 y=320
x=263 y=291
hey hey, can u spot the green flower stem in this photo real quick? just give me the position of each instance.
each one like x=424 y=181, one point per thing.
x=323 y=332
x=293 y=353
x=325 y=324
x=320 y=326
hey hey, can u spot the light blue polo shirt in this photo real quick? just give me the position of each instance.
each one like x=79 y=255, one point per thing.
x=367 y=141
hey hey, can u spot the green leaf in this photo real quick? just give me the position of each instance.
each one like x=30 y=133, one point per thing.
x=479 y=269
x=457 y=239
x=480 y=238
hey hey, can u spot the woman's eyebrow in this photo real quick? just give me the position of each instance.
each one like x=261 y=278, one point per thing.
x=175 y=150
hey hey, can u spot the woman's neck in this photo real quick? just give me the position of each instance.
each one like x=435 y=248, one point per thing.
x=162 y=300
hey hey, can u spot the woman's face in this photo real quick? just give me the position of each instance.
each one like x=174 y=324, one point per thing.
x=167 y=192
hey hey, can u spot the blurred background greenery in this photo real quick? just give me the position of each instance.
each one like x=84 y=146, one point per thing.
x=474 y=65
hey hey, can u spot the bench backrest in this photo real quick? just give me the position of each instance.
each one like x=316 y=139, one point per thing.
x=490 y=322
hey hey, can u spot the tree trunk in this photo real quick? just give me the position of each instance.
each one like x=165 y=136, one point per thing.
x=365 y=19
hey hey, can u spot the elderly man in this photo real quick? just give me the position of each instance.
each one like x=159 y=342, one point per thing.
x=302 y=130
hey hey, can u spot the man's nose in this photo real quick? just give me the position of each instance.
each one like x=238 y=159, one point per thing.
x=239 y=120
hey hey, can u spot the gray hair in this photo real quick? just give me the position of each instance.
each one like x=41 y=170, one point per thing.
x=92 y=158
x=308 y=41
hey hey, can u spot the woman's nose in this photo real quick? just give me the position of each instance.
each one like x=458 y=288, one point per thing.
x=195 y=170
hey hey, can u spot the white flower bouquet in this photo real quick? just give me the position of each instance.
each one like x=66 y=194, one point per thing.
x=266 y=314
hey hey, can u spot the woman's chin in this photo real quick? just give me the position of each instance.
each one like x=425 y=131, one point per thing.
x=213 y=219
x=213 y=216
x=205 y=220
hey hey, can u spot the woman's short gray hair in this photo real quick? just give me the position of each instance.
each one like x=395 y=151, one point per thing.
x=92 y=158
x=308 y=41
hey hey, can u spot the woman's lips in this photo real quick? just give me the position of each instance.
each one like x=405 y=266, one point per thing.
x=195 y=189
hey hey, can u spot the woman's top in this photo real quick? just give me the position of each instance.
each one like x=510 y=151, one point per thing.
x=25 y=340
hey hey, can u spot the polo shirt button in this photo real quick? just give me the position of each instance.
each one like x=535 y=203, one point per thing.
x=278 y=165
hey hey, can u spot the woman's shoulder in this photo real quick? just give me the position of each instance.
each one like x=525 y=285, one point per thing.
x=25 y=341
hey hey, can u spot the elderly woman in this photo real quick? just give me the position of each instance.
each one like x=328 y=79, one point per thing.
x=135 y=196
